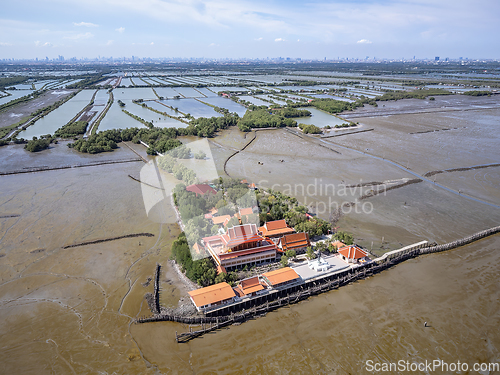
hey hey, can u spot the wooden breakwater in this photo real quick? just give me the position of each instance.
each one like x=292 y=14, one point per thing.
x=93 y=242
x=342 y=134
x=47 y=168
x=156 y=294
x=250 y=309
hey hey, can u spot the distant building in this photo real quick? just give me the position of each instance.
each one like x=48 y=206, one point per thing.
x=212 y=296
x=200 y=189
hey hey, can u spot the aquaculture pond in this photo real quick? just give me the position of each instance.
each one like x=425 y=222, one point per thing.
x=59 y=117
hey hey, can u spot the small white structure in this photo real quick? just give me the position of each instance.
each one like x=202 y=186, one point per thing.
x=319 y=264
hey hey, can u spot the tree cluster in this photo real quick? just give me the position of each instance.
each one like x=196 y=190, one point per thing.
x=310 y=129
x=72 y=129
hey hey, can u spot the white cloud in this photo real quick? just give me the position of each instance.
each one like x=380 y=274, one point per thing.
x=120 y=30
x=259 y=39
x=4 y=44
x=40 y=44
x=82 y=36
x=152 y=43
x=279 y=40
x=364 y=41
x=110 y=42
x=86 y=24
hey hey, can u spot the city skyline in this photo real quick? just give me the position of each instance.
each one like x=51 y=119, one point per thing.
x=256 y=30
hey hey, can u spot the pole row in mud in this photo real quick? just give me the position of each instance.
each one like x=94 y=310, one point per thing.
x=47 y=168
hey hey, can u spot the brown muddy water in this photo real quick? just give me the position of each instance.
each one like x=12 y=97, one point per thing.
x=70 y=310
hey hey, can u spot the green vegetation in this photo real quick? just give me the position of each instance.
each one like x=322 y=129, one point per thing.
x=477 y=93
x=310 y=129
x=284 y=260
x=200 y=155
x=261 y=118
x=180 y=172
x=275 y=205
x=201 y=271
x=345 y=238
x=72 y=129
x=11 y=81
x=3 y=142
x=332 y=105
x=417 y=94
x=36 y=144
x=345 y=125
x=96 y=143
x=310 y=253
x=294 y=112
x=120 y=103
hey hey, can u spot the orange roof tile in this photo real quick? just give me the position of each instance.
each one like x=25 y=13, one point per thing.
x=281 y=275
x=246 y=211
x=240 y=234
x=220 y=219
x=352 y=252
x=295 y=241
x=212 y=294
x=251 y=285
x=200 y=189
x=339 y=244
x=276 y=224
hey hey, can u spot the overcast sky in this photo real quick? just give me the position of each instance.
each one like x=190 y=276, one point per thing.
x=254 y=29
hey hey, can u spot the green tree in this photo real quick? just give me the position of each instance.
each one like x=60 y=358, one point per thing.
x=310 y=253
x=284 y=260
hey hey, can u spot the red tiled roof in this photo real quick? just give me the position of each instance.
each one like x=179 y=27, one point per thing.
x=276 y=224
x=339 y=244
x=281 y=275
x=254 y=250
x=212 y=294
x=294 y=241
x=200 y=189
x=246 y=211
x=275 y=228
x=241 y=234
x=220 y=219
x=251 y=285
x=352 y=252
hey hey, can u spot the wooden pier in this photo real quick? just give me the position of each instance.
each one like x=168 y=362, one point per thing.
x=249 y=309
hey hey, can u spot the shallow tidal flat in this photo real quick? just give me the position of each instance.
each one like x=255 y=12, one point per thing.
x=390 y=154
x=70 y=308
x=380 y=319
